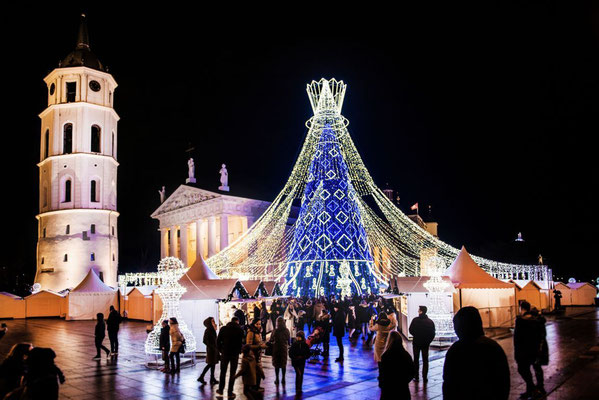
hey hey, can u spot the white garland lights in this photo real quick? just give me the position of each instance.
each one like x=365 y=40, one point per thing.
x=170 y=270
x=438 y=310
x=396 y=243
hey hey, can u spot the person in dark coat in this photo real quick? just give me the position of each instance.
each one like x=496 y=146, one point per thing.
x=229 y=342
x=264 y=319
x=13 y=368
x=280 y=343
x=422 y=329
x=339 y=329
x=475 y=366
x=42 y=375
x=530 y=348
x=240 y=316
x=112 y=325
x=299 y=352
x=324 y=321
x=100 y=334
x=165 y=345
x=557 y=296
x=211 y=351
x=396 y=369
x=309 y=315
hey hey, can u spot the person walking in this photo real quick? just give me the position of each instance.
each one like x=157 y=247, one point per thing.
x=254 y=340
x=12 y=368
x=299 y=352
x=112 y=324
x=422 y=329
x=165 y=345
x=100 y=334
x=371 y=313
x=264 y=317
x=530 y=349
x=211 y=351
x=324 y=322
x=309 y=315
x=290 y=316
x=177 y=340
x=229 y=342
x=475 y=366
x=362 y=318
x=248 y=372
x=339 y=329
x=396 y=369
x=280 y=343
x=382 y=327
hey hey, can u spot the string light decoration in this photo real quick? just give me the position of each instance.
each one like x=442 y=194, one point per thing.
x=170 y=270
x=438 y=310
x=392 y=243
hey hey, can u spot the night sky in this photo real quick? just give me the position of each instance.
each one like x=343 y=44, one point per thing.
x=486 y=112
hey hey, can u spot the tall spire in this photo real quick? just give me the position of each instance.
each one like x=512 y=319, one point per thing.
x=83 y=37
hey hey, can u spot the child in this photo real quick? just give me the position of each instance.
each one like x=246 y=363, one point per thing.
x=299 y=353
x=248 y=373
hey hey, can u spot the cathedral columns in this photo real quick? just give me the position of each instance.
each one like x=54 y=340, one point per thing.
x=224 y=231
x=173 y=248
x=184 y=245
x=163 y=242
x=211 y=236
x=199 y=241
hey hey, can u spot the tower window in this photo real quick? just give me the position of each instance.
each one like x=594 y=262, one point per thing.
x=67 y=139
x=112 y=149
x=45 y=194
x=113 y=231
x=68 y=230
x=71 y=91
x=113 y=258
x=93 y=228
x=95 y=138
x=67 y=191
x=46 y=142
x=93 y=257
x=92 y=191
x=42 y=260
x=44 y=232
x=66 y=258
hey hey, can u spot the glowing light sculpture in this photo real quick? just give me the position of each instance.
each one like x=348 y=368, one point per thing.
x=438 y=310
x=389 y=242
x=170 y=270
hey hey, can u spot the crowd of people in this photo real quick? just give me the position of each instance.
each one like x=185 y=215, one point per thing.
x=475 y=367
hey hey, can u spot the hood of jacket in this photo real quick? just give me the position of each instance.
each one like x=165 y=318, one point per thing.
x=468 y=323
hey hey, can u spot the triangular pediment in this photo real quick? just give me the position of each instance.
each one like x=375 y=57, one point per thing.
x=182 y=197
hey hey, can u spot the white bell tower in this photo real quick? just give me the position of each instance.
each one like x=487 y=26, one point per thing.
x=77 y=223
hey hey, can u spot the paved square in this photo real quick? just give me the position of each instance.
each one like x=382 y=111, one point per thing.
x=572 y=372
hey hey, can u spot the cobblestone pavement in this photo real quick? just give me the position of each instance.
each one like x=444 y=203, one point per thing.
x=573 y=372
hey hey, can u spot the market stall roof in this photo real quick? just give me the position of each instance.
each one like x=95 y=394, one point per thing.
x=12 y=296
x=414 y=284
x=207 y=289
x=92 y=284
x=270 y=287
x=199 y=270
x=45 y=291
x=578 y=285
x=251 y=286
x=466 y=274
x=144 y=290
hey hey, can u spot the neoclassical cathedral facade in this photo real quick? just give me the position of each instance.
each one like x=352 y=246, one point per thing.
x=77 y=220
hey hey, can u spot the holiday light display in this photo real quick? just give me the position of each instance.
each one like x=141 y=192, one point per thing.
x=269 y=249
x=170 y=270
x=438 y=310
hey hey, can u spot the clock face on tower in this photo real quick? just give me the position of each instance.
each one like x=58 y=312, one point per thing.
x=95 y=86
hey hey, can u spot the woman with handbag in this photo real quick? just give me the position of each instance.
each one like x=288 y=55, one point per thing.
x=212 y=356
x=177 y=345
x=280 y=342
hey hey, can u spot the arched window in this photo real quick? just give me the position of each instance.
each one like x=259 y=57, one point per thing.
x=67 y=139
x=67 y=191
x=95 y=138
x=112 y=149
x=92 y=191
x=93 y=257
x=46 y=143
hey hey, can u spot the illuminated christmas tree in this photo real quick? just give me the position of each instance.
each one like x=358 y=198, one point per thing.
x=330 y=252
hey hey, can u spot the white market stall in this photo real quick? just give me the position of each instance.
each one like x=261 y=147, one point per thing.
x=582 y=294
x=200 y=301
x=531 y=292
x=412 y=294
x=495 y=300
x=11 y=306
x=90 y=297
